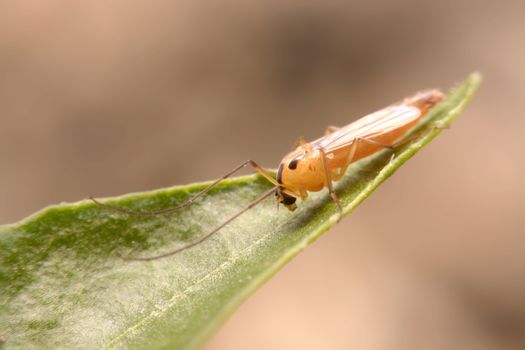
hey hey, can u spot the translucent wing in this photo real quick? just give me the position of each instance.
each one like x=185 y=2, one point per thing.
x=382 y=121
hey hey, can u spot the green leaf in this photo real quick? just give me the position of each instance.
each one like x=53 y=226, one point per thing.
x=63 y=284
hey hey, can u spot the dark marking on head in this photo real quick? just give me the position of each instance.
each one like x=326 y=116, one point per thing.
x=293 y=164
x=280 y=174
x=288 y=200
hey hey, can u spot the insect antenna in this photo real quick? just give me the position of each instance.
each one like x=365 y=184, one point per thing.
x=209 y=234
x=172 y=209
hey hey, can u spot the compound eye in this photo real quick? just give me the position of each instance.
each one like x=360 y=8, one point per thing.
x=293 y=164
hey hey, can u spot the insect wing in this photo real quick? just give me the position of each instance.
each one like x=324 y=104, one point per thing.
x=382 y=121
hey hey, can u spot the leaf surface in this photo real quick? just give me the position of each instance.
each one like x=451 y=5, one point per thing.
x=63 y=284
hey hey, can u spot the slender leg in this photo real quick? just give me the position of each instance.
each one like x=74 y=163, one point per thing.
x=208 y=235
x=330 y=129
x=330 y=185
x=353 y=150
x=301 y=141
x=403 y=140
x=258 y=168
x=418 y=134
x=261 y=171
x=348 y=161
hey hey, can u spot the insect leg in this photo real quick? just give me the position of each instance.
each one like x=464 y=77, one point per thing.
x=330 y=129
x=404 y=140
x=263 y=172
x=208 y=235
x=258 y=168
x=348 y=161
x=418 y=134
x=329 y=184
x=301 y=141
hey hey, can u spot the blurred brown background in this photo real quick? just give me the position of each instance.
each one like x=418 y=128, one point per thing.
x=108 y=97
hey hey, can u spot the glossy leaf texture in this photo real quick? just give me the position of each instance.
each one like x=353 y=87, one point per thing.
x=63 y=284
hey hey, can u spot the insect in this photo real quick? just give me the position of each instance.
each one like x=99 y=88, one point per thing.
x=312 y=166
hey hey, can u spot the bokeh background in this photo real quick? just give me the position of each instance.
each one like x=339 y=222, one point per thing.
x=108 y=97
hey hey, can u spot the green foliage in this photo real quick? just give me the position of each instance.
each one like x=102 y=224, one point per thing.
x=63 y=284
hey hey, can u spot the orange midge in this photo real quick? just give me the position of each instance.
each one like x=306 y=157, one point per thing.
x=312 y=166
